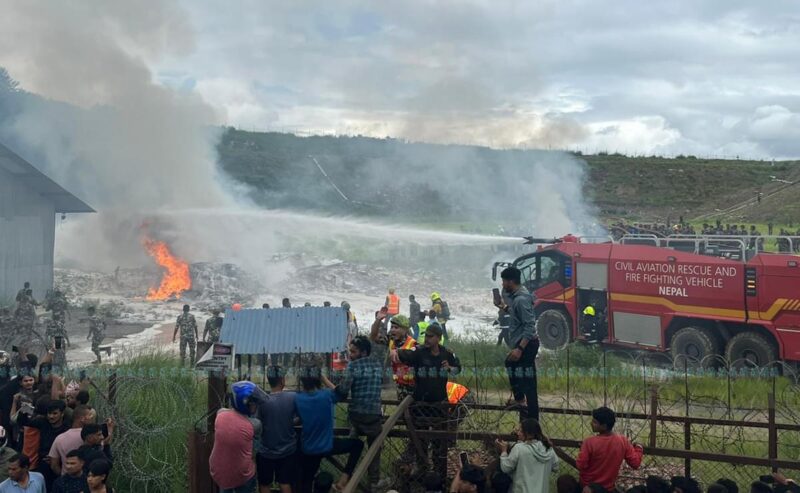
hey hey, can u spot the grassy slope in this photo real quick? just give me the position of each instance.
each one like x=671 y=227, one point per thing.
x=650 y=188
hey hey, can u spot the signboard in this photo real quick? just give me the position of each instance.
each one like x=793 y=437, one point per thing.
x=218 y=357
x=678 y=279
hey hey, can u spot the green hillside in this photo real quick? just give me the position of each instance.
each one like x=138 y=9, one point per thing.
x=392 y=177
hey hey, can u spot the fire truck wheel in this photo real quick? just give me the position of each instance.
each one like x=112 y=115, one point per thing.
x=695 y=344
x=751 y=349
x=553 y=329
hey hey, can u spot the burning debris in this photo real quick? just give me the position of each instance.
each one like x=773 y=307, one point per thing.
x=176 y=278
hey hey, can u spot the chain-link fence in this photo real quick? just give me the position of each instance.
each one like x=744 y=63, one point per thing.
x=721 y=413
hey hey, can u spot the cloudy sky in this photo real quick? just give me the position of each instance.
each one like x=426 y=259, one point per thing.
x=718 y=77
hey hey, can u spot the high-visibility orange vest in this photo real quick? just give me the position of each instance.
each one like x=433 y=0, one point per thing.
x=394 y=304
x=401 y=373
x=455 y=392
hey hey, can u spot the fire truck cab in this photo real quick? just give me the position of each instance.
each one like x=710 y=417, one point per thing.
x=701 y=297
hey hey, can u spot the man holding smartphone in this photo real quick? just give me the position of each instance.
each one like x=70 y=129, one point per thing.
x=523 y=341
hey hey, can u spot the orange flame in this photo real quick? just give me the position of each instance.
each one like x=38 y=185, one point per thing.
x=176 y=277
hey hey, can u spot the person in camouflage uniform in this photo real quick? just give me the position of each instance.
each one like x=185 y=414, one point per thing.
x=188 y=327
x=25 y=313
x=58 y=305
x=55 y=328
x=21 y=292
x=212 y=329
x=97 y=332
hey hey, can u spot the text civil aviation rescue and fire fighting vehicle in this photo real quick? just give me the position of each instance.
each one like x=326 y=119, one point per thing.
x=696 y=296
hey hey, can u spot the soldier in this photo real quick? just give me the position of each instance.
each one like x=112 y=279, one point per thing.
x=212 y=327
x=188 y=327
x=26 y=312
x=97 y=332
x=21 y=292
x=58 y=305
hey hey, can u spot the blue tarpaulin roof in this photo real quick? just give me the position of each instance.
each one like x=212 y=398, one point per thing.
x=312 y=329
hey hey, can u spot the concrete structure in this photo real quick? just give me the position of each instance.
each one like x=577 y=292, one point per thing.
x=29 y=202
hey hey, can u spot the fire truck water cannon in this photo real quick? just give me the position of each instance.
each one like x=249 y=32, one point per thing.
x=701 y=298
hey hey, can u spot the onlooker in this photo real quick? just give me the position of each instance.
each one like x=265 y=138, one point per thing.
x=362 y=382
x=399 y=338
x=566 y=483
x=94 y=447
x=432 y=365
x=231 y=462
x=523 y=341
x=729 y=485
x=277 y=458
x=74 y=478
x=20 y=479
x=656 y=484
x=70 y=439
x=98 y=474
x=5 y=454
x=432 y=482
x=531 y=460
x=501 y=482
x=602 y=455
x=50 y=427
x=315 y=406
x=760 y=487
x=716 y=488
x=470 y=479
x=681 y=484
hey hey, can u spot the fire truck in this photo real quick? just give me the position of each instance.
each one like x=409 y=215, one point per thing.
x=700 y=297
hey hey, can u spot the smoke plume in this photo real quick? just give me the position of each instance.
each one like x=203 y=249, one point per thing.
x=137 y=151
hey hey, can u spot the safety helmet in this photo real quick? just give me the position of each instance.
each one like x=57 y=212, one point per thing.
x=435 y=296
x=241 y=395
x=589 y=310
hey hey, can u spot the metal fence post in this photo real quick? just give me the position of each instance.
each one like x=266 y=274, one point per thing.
x=773 y=430
x=112 y=388
x=653 y=415
x=687 y=426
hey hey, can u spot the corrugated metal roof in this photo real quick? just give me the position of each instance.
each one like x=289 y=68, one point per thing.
x=313 y=329
x=38 y=181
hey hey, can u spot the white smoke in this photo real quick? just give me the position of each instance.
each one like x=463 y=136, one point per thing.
x=136 y=150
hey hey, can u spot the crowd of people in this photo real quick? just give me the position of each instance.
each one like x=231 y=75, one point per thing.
x=50 y=439
x=256 y=438
x=787 y=241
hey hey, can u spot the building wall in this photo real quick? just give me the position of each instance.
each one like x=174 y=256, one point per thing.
x=27 y=234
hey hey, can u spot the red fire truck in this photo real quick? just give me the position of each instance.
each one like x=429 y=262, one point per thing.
x=696 y=296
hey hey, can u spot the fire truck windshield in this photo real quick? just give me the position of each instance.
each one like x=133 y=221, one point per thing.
x=540 y=269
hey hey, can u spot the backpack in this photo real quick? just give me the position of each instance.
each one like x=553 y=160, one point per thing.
x=445 y=310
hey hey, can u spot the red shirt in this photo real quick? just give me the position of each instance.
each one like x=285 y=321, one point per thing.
x=231 y=460
x=601 y=457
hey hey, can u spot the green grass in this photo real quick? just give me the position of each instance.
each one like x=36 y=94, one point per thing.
x=153 y=393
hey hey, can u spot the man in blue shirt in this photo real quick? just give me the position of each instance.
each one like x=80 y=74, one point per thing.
x=20 y=479
x=315 y=406
x=362 y=382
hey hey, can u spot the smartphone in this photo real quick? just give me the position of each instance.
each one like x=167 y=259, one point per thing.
x=15 y=349
x=464 y=459
x=59 y=342
x=498 y=300
x=767 y=478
